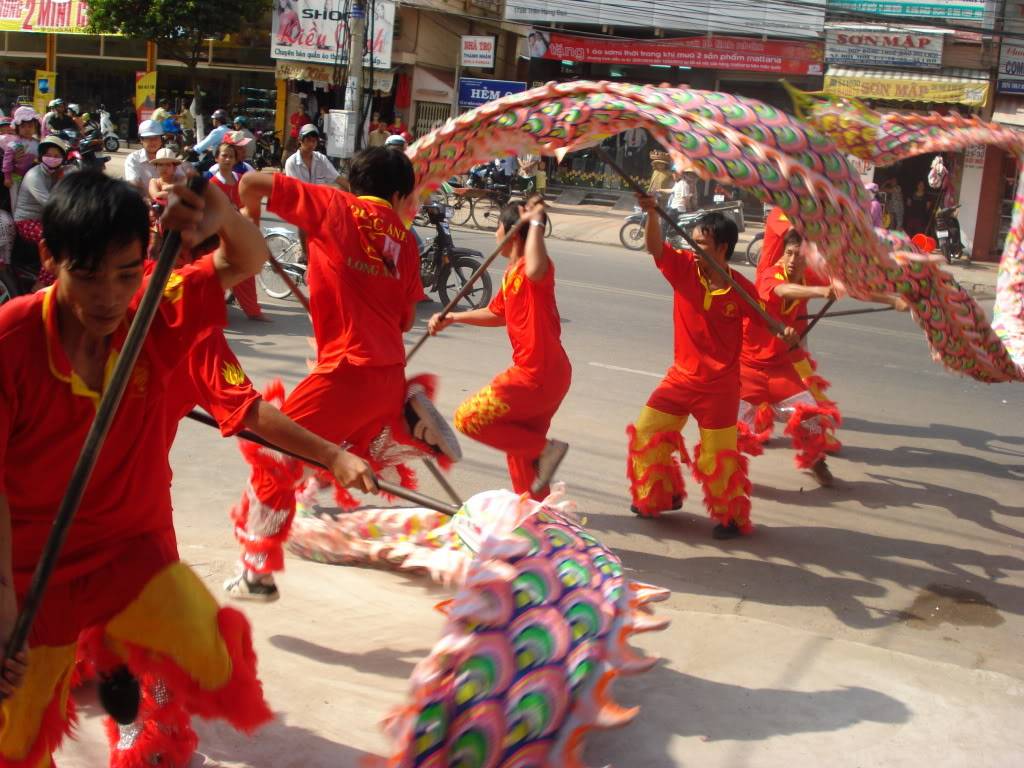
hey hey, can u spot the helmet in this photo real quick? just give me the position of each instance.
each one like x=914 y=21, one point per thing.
x=308 y=130
x=25 y=115
x=220 y=114
x=53 y=141
x=241 y=120
x=395 y=140
x=74 y=108
x=149 y=128
x=55 y=103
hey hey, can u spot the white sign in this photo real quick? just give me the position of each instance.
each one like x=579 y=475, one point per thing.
x=340 y=126
x=1011 y=54
x=882 y=47
x=314 y=31
x=478 y=51
x=759 y=18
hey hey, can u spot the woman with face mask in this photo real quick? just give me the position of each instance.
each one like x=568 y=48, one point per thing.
x=35 y=191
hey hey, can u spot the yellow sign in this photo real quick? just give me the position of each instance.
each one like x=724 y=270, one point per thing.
x=972 y=93
x=46 y=90
x=145 y=94
x=65 y=17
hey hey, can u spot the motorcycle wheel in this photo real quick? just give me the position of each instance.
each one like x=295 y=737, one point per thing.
x=632 y=236
x=286 y=251
x=947 y=252
x=754 y=250
x=486 y=213
x=456 y=275
x=111 y=144
x=8 y=288
x=462 y=209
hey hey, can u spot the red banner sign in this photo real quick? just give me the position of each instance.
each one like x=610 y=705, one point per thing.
x=735 y=53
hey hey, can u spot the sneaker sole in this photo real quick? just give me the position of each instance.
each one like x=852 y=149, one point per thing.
x=434 y=422
x=544 y=480
x=252 y=597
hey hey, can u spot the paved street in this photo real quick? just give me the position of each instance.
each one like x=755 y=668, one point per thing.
x=875 y=623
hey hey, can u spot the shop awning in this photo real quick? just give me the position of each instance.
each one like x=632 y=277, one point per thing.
x=383 y=79
x=1009 y=110
x=947 y=86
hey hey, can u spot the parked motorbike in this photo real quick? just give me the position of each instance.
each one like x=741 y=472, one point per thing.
x=633 y=233
x=82 y=148
x=947 y=231
x=268 y=150
x=445 y=269
x=18 y=278
x=111 y=141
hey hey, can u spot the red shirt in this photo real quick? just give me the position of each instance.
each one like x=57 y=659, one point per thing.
x=231 y=190
x=212 y=378
x=364 y=272
x=708 y=322
x=46 y=411
x=532 y=321
x=762 y=348
x=297 y=120
x=776 y=225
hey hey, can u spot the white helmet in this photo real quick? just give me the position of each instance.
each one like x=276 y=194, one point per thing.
x=74 y=108
x=149 y=128
x=395 y=140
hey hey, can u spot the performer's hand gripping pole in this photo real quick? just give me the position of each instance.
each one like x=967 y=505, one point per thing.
x=468 y=286
x=394 y=490
x=97 y=435
x=723 y=272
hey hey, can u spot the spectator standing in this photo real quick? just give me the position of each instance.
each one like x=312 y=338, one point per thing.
x=310 y=166
x=241 y=126
x=139 y=169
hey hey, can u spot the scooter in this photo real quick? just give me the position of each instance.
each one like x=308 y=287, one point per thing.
x=111 y=141
x=947 y=231
x=444 y=268
x=633 y=233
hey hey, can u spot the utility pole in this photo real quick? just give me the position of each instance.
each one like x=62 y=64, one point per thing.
x=357 y=37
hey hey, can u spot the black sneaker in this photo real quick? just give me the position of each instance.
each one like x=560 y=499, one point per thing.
x=725 y=532
x=547 y=464
x=241 y=588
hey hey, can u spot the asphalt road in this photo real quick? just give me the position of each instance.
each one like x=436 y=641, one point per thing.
x=915 y=552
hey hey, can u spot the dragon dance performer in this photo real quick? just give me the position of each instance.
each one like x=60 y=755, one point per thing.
x=513 y=413
x=364 y=283
x=703 y=381
x=782 y=383
x=118 y=575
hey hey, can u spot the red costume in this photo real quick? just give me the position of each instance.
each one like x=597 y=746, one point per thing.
x=118 y=582
x=703 y=381
x=513 y=413
x=245 y=291
x=363 y=280
x=780 y=383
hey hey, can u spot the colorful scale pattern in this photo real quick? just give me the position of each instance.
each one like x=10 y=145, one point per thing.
x=535 y=635
x=798 y=165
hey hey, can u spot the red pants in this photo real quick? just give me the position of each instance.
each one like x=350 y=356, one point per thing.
x=513 y=414
x=349 y=404
x=245 y=292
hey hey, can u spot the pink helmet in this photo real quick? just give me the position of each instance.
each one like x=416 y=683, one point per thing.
x=25 y=115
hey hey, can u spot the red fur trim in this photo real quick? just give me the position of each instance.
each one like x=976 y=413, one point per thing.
x=734 y=502
x=240 y=701
x=166 y=737
x=274 y=393
x=811 y=448
x=764 y=422
x=657 y=499
x=749 y=442
x=285 y=470
x=426 y=380
x=52 y=730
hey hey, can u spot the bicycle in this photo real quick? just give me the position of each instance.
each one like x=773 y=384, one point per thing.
x=285 y=247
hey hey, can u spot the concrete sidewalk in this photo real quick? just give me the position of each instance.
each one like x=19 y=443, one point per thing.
x=337 y=650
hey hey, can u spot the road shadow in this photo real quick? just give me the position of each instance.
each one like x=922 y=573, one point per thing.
x=278 y=744
x=783 y=564
x=978 y=439
x=388 y=662
x=674 y=704
x=906 y=456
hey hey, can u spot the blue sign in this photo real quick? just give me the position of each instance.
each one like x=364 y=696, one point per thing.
x=474 y=92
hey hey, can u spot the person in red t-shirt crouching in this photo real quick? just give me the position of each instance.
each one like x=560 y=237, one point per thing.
x=704 y=380
x=364 y=283
x=513 y=412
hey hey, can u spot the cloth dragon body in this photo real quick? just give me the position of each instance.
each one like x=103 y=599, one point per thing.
x=799 y=165
x=536 y=632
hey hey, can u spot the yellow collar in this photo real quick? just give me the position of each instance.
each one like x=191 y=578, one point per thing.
x=375 y=199
x=710 y=292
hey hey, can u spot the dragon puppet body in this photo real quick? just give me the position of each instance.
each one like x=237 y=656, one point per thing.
x=538 y=626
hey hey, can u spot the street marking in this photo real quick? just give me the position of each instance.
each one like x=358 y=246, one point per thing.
x=615 y=290
x=627 y=370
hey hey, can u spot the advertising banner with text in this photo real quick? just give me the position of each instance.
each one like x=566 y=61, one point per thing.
x=882 y=47
x=735 y=53
x=64 y=17
x=310 y=30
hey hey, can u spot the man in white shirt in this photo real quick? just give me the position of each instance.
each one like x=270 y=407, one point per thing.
x=309 y=165
x=682 y=199
x=139 y=167
x=312 y=167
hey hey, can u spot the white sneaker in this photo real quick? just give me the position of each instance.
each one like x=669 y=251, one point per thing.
x=426 y=424
x=263 y=590
x=547 y=464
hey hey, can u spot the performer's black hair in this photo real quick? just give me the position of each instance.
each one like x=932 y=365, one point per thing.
x=792 y=238
x=722 y=229
x=381 y=172
x=508 y=219
x=87 y=214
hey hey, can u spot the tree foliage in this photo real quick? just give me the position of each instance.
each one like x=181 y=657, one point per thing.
x=179 y=27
